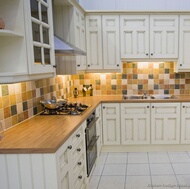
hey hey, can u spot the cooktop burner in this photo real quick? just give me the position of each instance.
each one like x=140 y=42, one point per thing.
x=67 y=109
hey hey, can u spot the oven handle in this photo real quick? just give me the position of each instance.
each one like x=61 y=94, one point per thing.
x=92 y=123
x=92 y=146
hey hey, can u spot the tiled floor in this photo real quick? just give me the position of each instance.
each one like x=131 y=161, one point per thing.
x=152 y=170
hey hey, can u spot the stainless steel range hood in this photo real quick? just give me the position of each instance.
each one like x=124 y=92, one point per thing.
x=64 y=48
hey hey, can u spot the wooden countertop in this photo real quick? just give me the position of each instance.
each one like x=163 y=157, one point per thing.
x=46 y=133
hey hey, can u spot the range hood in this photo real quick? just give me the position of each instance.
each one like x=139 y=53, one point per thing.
x=64 y=48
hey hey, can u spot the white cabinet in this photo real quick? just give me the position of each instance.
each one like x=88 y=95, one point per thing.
x=99 y=128
x=183 y=63
x=102 y=38
x=149 y=36
x=135 y=123
x=111 y=123
x=94 y=41
x=111 y=45
x=26 y=47
x=185 y=123
x=165 y=123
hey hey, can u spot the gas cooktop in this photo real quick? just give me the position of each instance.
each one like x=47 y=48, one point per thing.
x=67 y=109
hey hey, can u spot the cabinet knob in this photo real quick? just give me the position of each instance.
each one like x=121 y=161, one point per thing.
x=69 y=147
x=78 y=65
x=78 y=149
x=180 y=64
x=152 y=106
x=80 y=177
x=78 y=135
x=117 y=65
x=54 y=66
x=183 y=106
x=151 y=54
x=147 y=106
x=79 y=163
x=104 y=107
x=88 y=65
x=146 y=54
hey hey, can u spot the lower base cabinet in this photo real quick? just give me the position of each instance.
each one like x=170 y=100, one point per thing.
x=64 y=169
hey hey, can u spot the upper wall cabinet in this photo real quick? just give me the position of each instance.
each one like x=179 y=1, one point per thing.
x=184 y=44
x=102 y=35
x=26 y=47
x=144 y=36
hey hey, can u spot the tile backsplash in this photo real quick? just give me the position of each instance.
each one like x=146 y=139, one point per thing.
x=21 y=101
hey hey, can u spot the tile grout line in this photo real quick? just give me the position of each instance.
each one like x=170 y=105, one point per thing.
x=150 y=171
x=173 y=170
x=126 y=171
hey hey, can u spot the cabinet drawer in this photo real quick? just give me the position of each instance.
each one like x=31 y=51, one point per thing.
x=80 y=181
x=78 y=166
x=77 y=136
x=77 y=151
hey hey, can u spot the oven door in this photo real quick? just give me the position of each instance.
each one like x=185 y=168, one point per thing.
x=91 y=154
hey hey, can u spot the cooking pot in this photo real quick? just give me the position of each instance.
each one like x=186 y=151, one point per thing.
x=53 y=104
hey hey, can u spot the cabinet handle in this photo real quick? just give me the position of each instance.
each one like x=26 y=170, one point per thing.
x=78 y=135
x=147 y=106
x=69 y=147
x=78 y=149
x=80 y=177
x=78 y=65
x=103 y=107
x=146 y=54
x=183 y=106
x=152 y=106
x=117 y=65
x=88 y=65
x=180 y=64
x=79 y=163
x=151 y=54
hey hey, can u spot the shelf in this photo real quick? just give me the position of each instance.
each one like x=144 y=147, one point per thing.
x=9 y=33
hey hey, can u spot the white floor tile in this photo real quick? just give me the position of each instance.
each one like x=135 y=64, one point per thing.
x=137 y=158
x=164 y=182
x=102 y=158
x=181 y=168
x=158 y=157
x=117 y=158
x=98 y=169
x=161 y=169
x=179 y=157
x=94 y=181
x=114 y=169
x=138 y=169
x=138 y=182
x=184 y=181
x=112 y=182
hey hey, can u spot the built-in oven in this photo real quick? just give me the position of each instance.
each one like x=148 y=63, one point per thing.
x=91 y=141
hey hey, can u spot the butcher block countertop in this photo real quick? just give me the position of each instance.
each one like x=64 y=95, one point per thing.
x=46 y=133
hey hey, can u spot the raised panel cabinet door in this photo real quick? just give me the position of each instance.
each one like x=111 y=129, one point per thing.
x=163 y=36
x=134 y=36
x=94 y=41
x=184 y=43
x=185 y=123
x=111 y=123
x=165 y=123
x=135 y=123
x=111 y=42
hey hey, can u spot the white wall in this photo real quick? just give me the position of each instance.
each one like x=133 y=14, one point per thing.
x=136 y=5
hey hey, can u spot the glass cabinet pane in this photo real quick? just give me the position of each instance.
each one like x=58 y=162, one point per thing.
x=47 y=56
x=34 y=9
x=37 y=55
x=44 y=14
x=36 y=32
x=45 y=35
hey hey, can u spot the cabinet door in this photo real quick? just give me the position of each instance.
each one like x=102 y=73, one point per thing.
x=184 y=43
x=135 y=123
x=39 y=31
x=94 y=41
x=111 y=123
x=111 y=52
x=185 y=123
x=134 y=36
x=163 y=36
x=99 y=128
x=165 y=123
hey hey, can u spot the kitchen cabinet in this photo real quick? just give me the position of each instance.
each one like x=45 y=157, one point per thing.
x=64 y=169
x=111 y=123
x=99 y=128
x=26 y=47
x=185 y=123
x=102 y=37
x=183 y=63
x=149 y=36
x=165 y=123
x=135 y=123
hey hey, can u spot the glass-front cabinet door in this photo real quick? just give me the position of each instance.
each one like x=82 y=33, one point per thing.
x=40 y=43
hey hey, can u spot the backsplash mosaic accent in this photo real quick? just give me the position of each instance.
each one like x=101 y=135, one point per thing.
x=21 y=101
